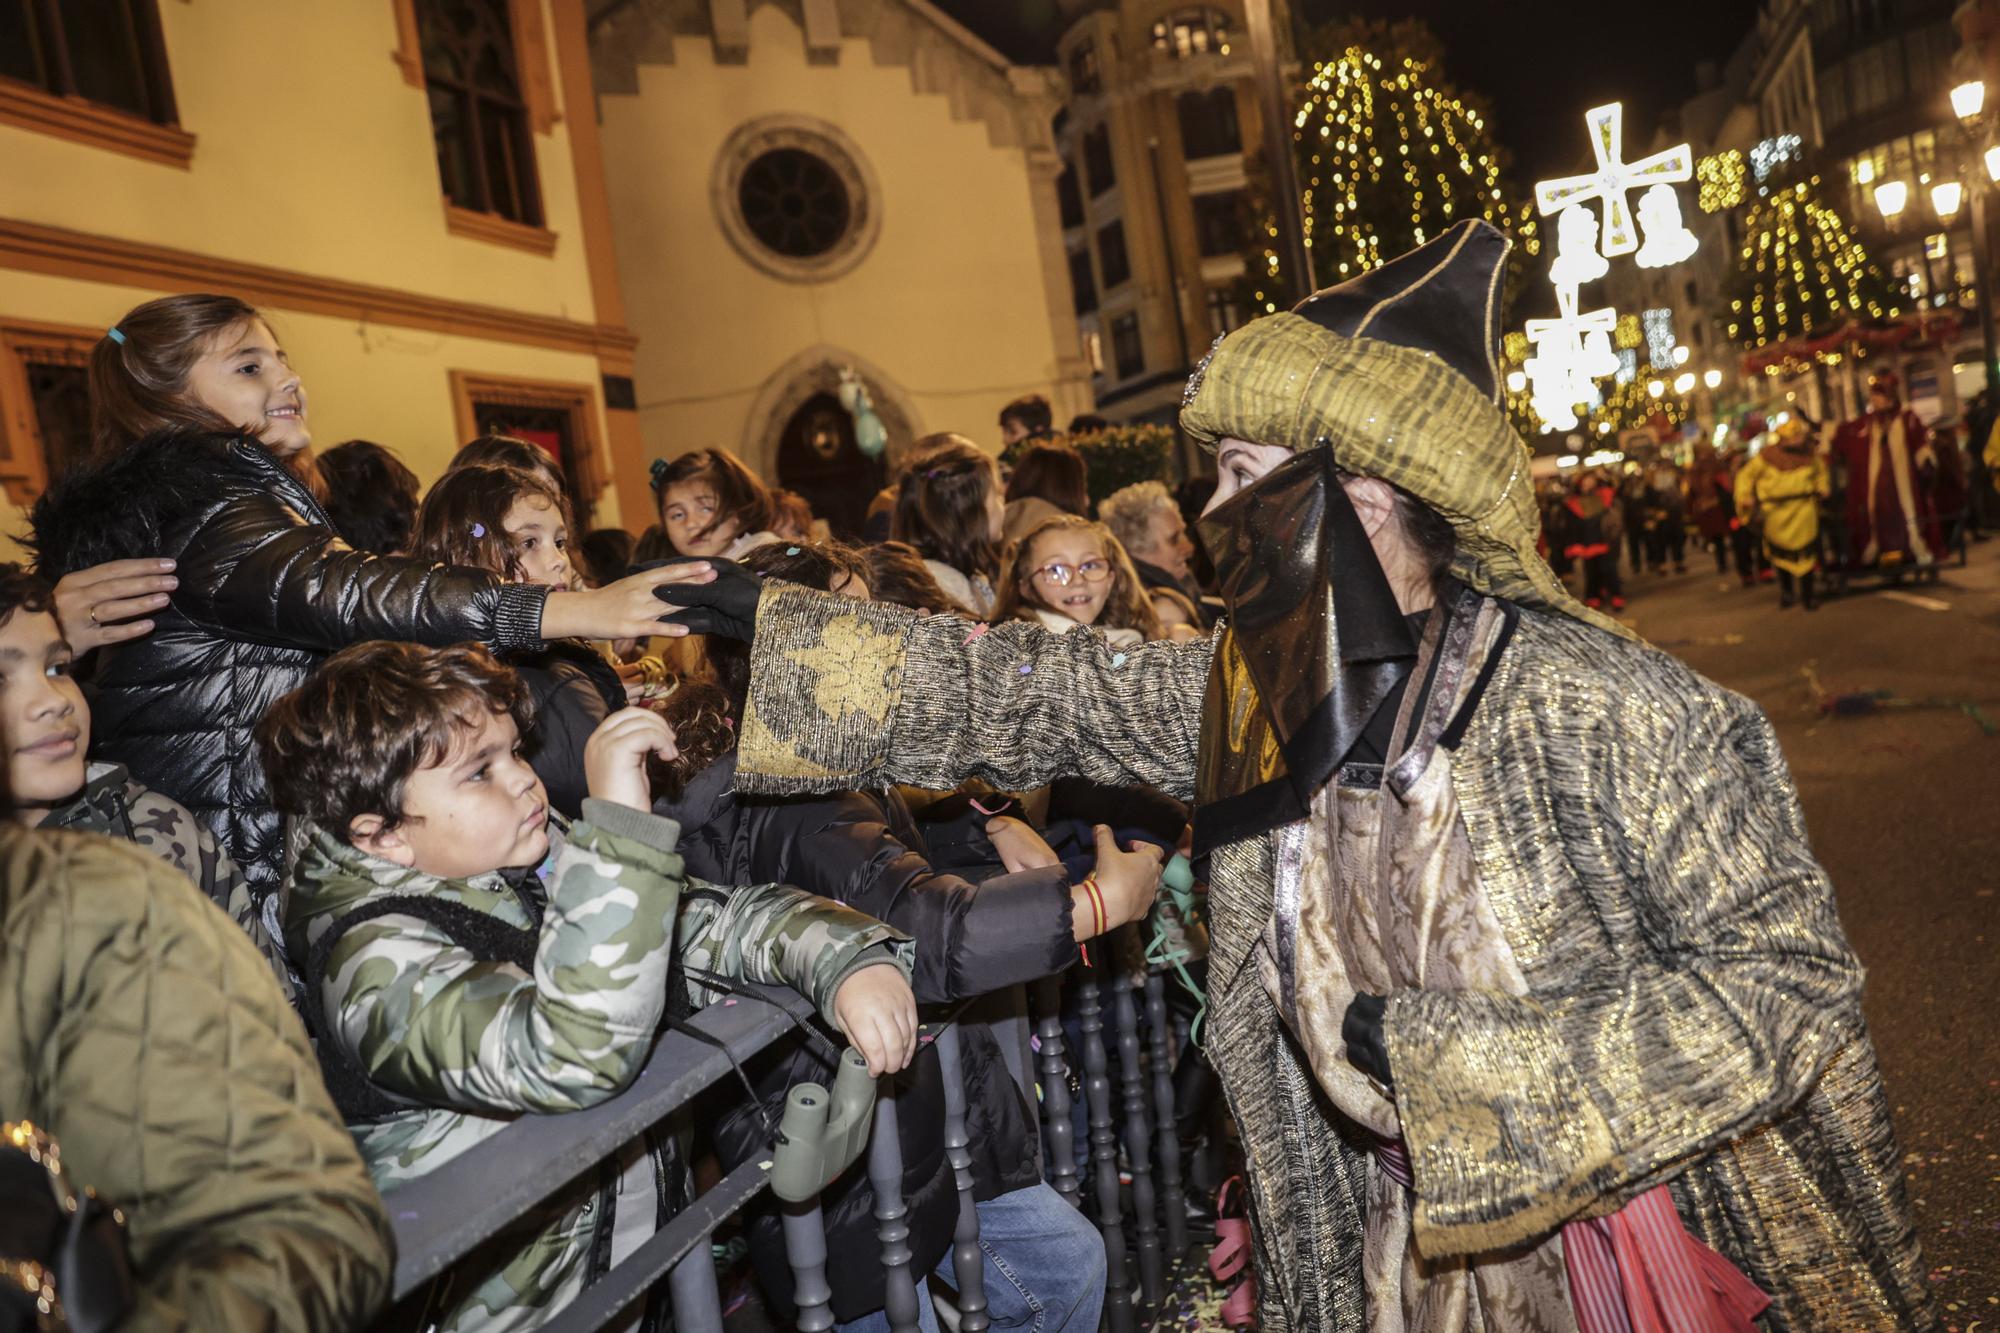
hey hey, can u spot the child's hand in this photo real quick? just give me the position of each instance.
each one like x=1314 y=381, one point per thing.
x=877 y=1012
x=614 y=759
x=1020 y=847
x=1128 y=880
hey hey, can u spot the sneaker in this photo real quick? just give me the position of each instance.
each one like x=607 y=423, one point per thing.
x=1593 y=603
x=1618 y=604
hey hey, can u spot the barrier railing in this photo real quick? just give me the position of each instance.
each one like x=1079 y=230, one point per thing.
x=447 y=1214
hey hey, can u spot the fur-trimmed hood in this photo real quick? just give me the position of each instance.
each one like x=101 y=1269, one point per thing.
x=129 y=506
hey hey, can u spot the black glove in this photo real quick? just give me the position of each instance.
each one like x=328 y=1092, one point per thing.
x=727 y=606
x=1361 y=1029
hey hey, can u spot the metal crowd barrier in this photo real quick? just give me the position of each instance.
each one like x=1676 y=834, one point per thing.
x=444 y=1216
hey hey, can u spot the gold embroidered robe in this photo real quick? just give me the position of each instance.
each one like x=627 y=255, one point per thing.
x=1691 y=1011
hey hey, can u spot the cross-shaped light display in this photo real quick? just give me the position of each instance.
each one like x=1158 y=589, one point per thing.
x=1613 y=178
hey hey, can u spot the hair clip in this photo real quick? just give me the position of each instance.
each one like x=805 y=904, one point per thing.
x=932 y=473
x=657 y=470
x=115 y=334
x=478 y=529
x=791 y=550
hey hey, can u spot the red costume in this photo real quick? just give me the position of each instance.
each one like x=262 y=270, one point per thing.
x=1891 y=469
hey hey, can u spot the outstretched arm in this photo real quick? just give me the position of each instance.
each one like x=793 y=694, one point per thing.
x=846 y=694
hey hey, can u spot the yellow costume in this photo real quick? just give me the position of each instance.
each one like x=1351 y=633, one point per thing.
x=1780 y=490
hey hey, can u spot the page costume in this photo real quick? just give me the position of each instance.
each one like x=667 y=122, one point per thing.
x=1578 y=872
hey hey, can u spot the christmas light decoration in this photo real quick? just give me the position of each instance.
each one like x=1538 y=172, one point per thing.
x=1722 y=181
x=1571 y=350
x=1668 y=241
x=1772 y=153
x=1801 y=270
x=1659 y=325
x=1389 y=156
x=1614 y=178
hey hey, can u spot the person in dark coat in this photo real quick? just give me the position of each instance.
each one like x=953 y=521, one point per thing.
x=864 y=850
x=203 y=457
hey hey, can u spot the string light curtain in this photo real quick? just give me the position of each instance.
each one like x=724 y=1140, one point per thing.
x=1801 y=271
x=1389 y=155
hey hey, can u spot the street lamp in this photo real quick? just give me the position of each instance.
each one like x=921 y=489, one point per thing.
x=1891 y=197
x=1684 y=382
x=1517 y=380
x=1968 y=100
x=1654 y=388
x=1712 y=378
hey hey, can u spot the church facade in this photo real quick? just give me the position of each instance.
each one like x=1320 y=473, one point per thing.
x=802 y=188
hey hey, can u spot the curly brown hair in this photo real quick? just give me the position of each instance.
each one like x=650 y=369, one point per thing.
x=345 y=743
x=899 y=576
x=463 y=519
x=1126 y=607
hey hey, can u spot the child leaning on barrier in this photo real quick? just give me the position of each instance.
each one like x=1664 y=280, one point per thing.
x=468 y=957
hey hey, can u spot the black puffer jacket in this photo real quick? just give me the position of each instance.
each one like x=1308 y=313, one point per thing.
x=573 y=690
x=266 y=592
x=971 y=939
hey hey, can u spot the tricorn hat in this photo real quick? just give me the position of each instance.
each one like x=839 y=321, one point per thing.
x=1397 y=372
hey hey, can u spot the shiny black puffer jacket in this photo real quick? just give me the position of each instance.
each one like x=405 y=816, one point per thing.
x=267 y=591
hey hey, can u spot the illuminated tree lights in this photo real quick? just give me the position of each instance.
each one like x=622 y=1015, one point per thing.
x=1389 y=156
x=1722 y=180
x=1801 y=270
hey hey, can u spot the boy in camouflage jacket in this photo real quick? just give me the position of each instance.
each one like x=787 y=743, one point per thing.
x=456 y=990
x=45 y=726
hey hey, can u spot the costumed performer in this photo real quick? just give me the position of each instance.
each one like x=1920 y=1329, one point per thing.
x=1529 y=998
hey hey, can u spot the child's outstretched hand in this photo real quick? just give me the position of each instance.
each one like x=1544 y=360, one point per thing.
x=877 y=1012
x=1127 y=879
x=614 y=758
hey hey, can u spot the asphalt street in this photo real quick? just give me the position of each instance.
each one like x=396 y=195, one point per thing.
x=1903 y=806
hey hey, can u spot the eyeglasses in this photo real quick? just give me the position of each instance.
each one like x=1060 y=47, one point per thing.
x=1062 y=575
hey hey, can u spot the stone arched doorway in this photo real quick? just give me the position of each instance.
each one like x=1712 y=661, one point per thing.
x=818 y=458
x=801 y=393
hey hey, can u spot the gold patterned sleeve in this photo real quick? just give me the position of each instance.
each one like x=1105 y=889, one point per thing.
x=1708 y=981
x=849 y=694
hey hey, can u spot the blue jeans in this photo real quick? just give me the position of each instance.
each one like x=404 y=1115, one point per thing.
x=1044 y=1268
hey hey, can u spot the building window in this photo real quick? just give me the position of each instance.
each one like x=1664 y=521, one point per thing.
x=44 y=404
x=1225 y=312
x=1208 y=123
x=1127 y=353
x=1097 y=160
x=794 y=202
x=106 y=51
x=479 y=114
x=796 y=199
x=560 y=418
x=1192 y=32
x=1218 y=223
x=1080 y=281
x=1112 y=260
x=1069 y=196
x=1083 y=76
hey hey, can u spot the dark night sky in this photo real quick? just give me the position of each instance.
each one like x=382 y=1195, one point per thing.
x=1539 y=62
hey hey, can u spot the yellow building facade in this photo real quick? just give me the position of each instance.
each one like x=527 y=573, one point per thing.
x=803 y=187
x=317 y=160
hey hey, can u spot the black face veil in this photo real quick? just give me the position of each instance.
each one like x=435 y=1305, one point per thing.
x=1315 y=643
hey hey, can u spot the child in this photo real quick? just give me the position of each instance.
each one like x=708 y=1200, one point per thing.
x=511 y=522
x=1048 y=479
x=205 y=457
x=370 y=496
x=712 y=505
x=1589 y=522
x=45 y=722
x=468 y=959
x=949 y=506
x=1069 y=571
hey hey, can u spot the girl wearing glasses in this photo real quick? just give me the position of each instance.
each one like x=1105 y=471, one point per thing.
x=1068 y=571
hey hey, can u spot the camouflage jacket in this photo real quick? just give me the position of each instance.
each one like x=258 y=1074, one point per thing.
x=113 y=804
x=473 y=1044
